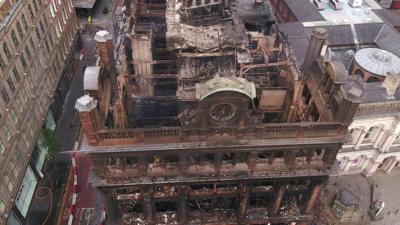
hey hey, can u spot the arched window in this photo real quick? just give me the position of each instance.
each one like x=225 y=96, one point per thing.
x=360 y=72
x=372 y=79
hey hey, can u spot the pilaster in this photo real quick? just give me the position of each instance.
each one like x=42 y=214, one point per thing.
x=313 y=198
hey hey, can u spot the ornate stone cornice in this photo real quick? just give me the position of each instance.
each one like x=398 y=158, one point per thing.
x=373 y=109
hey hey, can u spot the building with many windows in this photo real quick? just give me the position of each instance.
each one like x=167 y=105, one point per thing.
x=36 y=40
x=375 y=132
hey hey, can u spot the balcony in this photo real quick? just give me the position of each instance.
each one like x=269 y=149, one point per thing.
x=108 y=179
x=164 y=135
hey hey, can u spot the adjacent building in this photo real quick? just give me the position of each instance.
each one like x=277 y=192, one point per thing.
x=364 y=39
x=36 y=41
x=205 y=116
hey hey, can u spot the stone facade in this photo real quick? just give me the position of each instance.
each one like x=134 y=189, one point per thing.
x=373 y=146
x=36 y=37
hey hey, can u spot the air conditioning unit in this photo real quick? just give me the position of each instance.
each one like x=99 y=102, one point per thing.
x=337 y=4
x=355 y=3
x=320 y=4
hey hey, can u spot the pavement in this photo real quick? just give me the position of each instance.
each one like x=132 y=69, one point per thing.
x=45 y=210
x=387 y=190
x=54 y=209
x=59 y=166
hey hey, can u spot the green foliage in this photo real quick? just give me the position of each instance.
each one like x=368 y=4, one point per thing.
x=50 y=141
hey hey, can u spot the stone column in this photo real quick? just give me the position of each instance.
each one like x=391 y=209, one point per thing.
x=244 y=201
x=388 y=143
x=183 y=205
x=218 y=163
x=290 y=159
x=364 y=162
x=88 y=113
x=252 y=162
x=278 y=199
x=390 y=165
x=183 y=164
x=360 y=139
x=356 y=135
x=142 y=164
x=149 y=207
x=330 y=156
x=313 y=198
x=378 y=138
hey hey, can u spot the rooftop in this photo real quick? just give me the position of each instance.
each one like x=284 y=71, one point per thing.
x=364 y=34
x=85 y=4
x=370 y=25
x=377 y=61
x=347 y=15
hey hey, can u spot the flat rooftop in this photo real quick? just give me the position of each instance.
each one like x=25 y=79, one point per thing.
x=350 y=15
x=84 y=4
x=351 y=28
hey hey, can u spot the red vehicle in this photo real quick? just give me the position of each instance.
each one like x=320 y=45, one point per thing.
x=396 y=5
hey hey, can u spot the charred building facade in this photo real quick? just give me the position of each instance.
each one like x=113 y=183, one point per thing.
x=205 y=117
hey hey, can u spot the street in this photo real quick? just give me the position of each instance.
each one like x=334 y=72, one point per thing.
x=67 y=131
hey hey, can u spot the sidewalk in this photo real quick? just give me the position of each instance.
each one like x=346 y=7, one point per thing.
x=90 y=203
x=47 y=211
x=58 y=167
x=387 y=190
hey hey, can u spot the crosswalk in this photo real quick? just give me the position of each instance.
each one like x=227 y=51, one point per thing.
x=371 y=180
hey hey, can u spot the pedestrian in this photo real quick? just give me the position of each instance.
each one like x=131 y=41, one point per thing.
x=396 y=211
x=390 y=211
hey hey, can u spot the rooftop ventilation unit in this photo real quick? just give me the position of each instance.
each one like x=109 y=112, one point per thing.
x=320 y=4
x=337 y=4
x=355 y=3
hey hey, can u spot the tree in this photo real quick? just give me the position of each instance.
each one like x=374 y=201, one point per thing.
x=50 y=141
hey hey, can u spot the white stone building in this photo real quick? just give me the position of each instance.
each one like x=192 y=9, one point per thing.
x=374 y=135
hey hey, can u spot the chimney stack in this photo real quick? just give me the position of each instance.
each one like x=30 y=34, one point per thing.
x=87 y=107
x=352 y=93
x=317 y=42
x=105 y=50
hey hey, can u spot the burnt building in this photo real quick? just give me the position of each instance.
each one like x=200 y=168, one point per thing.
x=204 y=116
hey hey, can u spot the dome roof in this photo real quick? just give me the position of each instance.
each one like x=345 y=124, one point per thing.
x=377 y=61
x=219 y=84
